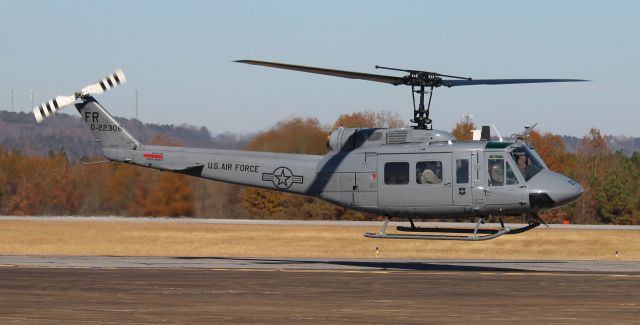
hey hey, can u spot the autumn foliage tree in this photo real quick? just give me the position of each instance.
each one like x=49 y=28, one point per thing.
x=369 y=119
x=164 y=194
x=296 y=135
x=462 y=130
x=37 y=185
x=592 y=161
x=552 y=150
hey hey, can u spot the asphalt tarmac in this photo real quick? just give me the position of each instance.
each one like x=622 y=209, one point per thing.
x=300 y=222
x=151 y=290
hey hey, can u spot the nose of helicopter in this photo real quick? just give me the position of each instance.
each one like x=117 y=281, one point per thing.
x=549 y=189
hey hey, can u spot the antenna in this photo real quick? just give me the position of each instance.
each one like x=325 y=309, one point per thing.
x=527 y=130
x=12 y=99
x=136 y=103
x=498 y=133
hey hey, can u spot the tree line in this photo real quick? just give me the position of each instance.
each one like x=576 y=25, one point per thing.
x=56 y=185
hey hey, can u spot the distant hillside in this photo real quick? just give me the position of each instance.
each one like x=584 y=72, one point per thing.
x=627 y=144
x=19 y=131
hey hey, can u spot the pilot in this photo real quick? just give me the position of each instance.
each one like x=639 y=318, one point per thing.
x=496 y=173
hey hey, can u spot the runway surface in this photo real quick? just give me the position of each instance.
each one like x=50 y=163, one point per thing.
x=621 y=267
x=300 y=222
x=141 y=290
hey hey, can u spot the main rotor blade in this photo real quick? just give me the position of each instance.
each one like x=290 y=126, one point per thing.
x=455 y=83
x=329 y=72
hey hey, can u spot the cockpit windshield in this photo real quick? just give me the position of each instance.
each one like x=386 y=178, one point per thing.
x=527 y=161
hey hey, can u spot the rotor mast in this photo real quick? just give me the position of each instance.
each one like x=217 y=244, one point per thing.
x=421 y=115
x=422 y=80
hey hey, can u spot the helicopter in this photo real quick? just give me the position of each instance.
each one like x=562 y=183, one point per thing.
x=414 y=172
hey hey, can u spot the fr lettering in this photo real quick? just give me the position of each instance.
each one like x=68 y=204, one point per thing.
x=92 y=115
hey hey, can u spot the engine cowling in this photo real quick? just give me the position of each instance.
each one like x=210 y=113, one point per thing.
x=341 y=137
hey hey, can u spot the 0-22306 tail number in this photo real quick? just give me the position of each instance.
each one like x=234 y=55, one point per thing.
x=106 y=128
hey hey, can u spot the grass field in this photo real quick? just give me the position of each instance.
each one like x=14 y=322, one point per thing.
x=122 y=238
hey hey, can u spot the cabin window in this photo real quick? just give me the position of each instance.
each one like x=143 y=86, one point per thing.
x=429 y=172
x=500 y=172
x=511 y=176
x=462 y=171
x=527 y=162
x=496 y=170
x=396 y=173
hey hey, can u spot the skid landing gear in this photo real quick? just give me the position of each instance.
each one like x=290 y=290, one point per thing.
x=475 y=234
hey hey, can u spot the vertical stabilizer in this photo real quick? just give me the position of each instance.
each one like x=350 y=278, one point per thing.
x=105 y=129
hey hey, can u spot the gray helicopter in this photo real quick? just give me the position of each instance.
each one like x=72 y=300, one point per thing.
x=411 y=172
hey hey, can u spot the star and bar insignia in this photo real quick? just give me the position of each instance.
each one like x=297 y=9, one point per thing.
x=282 y=178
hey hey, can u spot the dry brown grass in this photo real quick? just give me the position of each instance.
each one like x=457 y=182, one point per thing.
x=184 y=239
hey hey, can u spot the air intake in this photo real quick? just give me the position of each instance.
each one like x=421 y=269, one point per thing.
x=397 y=136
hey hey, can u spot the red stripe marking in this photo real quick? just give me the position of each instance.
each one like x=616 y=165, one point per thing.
x=154 y=156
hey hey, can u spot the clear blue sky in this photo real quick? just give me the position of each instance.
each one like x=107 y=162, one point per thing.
x=178 y=55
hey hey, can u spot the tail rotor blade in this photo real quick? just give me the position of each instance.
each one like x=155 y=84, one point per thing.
x=111 y=81
x=47 y=109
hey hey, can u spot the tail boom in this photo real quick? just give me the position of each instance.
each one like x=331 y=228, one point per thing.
x=277 y=171
x=292 y=173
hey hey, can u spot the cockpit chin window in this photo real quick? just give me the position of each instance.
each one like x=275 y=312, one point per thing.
x=527 y=162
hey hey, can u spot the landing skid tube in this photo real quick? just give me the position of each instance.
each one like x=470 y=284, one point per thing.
x=488 y=233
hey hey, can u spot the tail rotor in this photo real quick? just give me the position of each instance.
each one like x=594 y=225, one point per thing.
x=48 y=108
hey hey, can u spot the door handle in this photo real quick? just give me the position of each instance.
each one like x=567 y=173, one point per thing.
x=486 y=190
x=447 y=184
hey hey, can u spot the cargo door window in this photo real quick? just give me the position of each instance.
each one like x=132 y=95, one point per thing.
x=462 y=171
x=396 y=173
x=429 y=172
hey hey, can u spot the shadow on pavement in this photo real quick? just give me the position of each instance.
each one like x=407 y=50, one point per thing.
x=496 y=266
